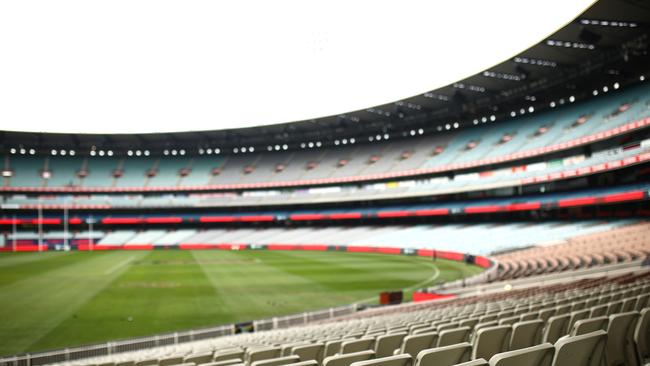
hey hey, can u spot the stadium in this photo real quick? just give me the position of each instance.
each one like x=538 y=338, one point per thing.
x=498 y=215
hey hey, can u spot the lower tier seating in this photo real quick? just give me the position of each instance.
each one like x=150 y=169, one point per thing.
x=599 y=321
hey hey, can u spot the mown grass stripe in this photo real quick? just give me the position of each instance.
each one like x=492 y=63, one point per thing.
x=35 y=305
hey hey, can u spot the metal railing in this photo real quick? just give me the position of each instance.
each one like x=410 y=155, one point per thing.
x=137 y=344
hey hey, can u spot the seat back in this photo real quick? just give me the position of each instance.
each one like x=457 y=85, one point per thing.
x=540 y=355
x=278 y=361
x=232 y=361
x=386 y=345
x=169 y=361
x=490 y=341
x=229 y=355
x=583 y=350
x=642 y=334
x=585 y=326
x=396 y=360
x=332 y=347
x=444 y=356
x=198 y=358
x=556 y=327
x=478 y=362
x=575 y=316
x=621 y=349
x=348 y=359
x=413 y=344
x=306 y=363
x=307 y=352
x=596 y=311
x=453 y=336
x=614 y=307
x=641 y=302
x=357 y=345
x=265 y=353
x=526 y=334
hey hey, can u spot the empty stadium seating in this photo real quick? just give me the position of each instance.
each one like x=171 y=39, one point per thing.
x=361 y=339
x=437 y=152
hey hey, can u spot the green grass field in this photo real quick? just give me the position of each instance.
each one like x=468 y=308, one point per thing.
x=54 y=300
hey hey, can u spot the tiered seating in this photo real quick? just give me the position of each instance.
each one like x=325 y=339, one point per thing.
x=467 y=238
x=516 y=327
x=617 y=245
x=436 y=150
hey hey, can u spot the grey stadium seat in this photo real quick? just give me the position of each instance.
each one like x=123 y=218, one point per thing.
x=413 y=344
x=479 y=362
x=583 y=350
x=445 y=356
x=386 y=345
x=312 y=351
x=357 y=345
x=453 y=336
x=490 y=341
x=348 y=359
x=232 y=361
x=396 y=360
x=199 y=358
x=585 y=326
x=642 y=334
x=265 y=353
x=556 y=327
x=229 y=355
x=279 y=361
x=621 y=349
x=526 y=334
x=540 y=355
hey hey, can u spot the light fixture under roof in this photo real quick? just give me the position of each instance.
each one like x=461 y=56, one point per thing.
x=570 y=44
x=609 y=23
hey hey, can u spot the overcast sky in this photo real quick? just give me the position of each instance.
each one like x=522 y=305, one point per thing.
x=126 y=66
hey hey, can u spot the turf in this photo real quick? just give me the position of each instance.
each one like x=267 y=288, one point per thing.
x=54 y=300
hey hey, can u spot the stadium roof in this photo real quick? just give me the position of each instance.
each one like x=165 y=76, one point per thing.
x=607 y=42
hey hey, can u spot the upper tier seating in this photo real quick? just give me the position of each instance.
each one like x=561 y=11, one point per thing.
x=424 y=152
